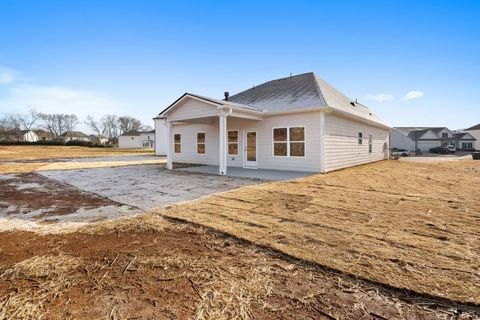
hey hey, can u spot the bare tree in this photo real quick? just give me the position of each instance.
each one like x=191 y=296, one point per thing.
x=110 y=125
x=127 y=123
x=57 y=123
x=97 y=126
x=28 y=120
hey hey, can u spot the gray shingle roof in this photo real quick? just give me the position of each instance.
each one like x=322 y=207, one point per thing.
x=475 y=127
x=77 y=134
x=301 y=92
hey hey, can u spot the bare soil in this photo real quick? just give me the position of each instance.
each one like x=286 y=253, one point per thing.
x=147 y=268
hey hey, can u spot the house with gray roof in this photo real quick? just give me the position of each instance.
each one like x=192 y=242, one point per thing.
x=296 y=123
x=425 y=138
x=134 y=139
x=474 y=131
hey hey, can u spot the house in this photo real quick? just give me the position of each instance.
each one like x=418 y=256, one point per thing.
x=425 y=138
x=474 y=131
x=465 y=141
x=296 y=123
x=96 y=139
x=73 y=136
x=25 y=135
x=137 y=140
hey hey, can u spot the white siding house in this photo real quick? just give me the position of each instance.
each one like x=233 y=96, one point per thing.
x=475 y=132
x=297 y=123
x=137 y=140
x=425 y=138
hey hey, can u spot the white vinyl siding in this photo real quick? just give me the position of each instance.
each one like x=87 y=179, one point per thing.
x=192 y=108
x=342 y=148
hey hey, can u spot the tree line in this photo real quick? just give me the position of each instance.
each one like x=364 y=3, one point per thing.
x=109 y=126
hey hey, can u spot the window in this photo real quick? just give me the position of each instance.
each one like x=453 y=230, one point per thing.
x=360 y=138
x=467 y=145
x=201 y=142
x=232 y=142
x=177 y=142
x=444 y=135
x=289 y=142
x=370 y=140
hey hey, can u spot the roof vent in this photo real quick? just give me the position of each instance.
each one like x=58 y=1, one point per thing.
x=352 y=103
x=226 y=95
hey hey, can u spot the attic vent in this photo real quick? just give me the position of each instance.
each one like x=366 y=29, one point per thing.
x=370 y=113
x=352 y=103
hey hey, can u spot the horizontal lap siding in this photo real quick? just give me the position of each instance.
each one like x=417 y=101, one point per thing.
x=341 y=143
x=189 y=143
x=192 y=109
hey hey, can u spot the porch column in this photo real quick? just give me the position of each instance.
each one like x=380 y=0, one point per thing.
x=170 y=146
x=222 y=138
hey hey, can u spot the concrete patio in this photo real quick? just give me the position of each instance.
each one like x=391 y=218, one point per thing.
x=262 y=174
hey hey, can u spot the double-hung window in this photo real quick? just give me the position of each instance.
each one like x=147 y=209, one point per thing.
x=289 y=142
x=232 y=142
x=200 y=142
x=360 y=138
x=177 y=142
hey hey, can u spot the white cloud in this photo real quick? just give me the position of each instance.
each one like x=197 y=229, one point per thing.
x=53 y=99
x=7 y=75
x=413 y=95
x=380 y=97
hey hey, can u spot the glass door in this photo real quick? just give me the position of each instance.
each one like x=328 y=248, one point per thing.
x=250 y=155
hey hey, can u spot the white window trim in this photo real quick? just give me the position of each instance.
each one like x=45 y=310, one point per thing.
x=237 y=143
x=179 y=143
x=288 y=141
x=370 y=144
x=204 y=143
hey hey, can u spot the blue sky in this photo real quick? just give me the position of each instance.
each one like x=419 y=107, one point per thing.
x=415 y=63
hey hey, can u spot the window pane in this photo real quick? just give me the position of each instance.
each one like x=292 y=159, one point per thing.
x=251 y=146
x=280 y=134
x=176 y=138
x=297 y=149
x=297 y=134
x=232 y=136
x=201 y=137
x=280 y=149
x=232 y=148
x=201 y=148
x=177 y=147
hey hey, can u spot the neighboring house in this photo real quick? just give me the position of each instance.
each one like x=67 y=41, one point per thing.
x=465 y=141
x=74 y=136
x=137 y=140
x=96 y=139
x=297 y=123
x=25 y=135
x=475 y=132
x=425 y=138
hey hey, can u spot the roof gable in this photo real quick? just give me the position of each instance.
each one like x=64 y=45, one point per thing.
x=475 y=127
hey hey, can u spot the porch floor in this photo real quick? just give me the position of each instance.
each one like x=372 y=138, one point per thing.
x=263 y=174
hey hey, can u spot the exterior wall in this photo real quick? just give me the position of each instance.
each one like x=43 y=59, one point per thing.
x=265 y=157
x=401 y=141
x=190 y=109
x=30 y=136
x=341 y=143
x=129 y=142
x=161 y=138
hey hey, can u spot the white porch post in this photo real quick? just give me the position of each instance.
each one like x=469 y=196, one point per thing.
x=223 y=144
x=170 y=145
x=322 y=142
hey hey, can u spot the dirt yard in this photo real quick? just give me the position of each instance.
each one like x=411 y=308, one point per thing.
x=344 y=245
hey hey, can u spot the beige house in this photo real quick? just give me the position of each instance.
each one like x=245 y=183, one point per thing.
x=298 y=123
x=74 y=136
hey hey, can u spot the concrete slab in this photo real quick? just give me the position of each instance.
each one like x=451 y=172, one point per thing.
x=263 y=174
x=147 y=186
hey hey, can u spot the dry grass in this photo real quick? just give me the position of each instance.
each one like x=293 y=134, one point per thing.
x=407 y=225
x=12 y=153
x=49 y=277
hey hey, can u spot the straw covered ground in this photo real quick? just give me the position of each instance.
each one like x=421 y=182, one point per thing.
x=412 y=226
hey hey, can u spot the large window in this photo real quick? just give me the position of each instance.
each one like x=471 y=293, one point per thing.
x=467 y=145
x=232 y=142
x=201 y=143
x=289 y=142
x=177 y=138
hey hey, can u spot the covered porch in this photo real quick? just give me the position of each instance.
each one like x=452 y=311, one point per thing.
x=200 y=131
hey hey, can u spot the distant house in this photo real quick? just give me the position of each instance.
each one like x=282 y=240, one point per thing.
x=475 y=132
x=25 y=135
x=74 y=136
x=425 y=138
x=137 y=140
x=298 y=123
x=96 y=139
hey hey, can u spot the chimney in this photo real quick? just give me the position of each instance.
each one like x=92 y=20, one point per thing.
x=226 y=95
